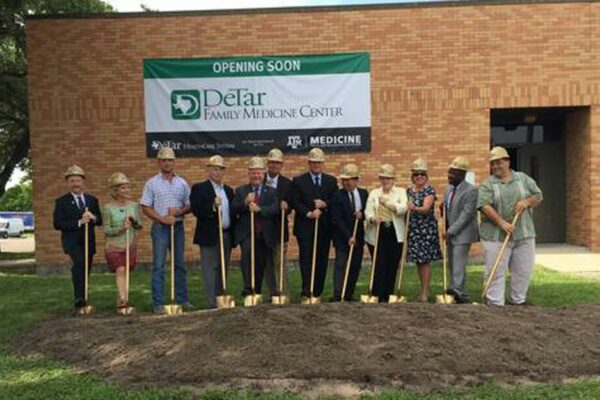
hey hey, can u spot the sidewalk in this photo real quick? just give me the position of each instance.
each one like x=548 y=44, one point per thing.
x=574 y=260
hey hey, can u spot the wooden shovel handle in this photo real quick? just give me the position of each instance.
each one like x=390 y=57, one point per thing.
x=498 y=258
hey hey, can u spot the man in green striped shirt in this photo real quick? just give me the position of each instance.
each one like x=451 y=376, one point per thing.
x=501 y=197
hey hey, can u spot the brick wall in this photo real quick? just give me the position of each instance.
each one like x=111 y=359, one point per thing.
x=436 y=72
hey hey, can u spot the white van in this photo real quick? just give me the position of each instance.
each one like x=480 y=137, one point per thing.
x=11 y=227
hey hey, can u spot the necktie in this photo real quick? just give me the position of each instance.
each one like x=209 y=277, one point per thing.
x=80 y=203
x=256 y=195
x=317 y=184
x=352 y=201
x=257 y=221
x=452 y=196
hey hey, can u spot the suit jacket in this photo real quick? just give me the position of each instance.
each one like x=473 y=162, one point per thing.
x=304 y=193
x=461 y=216
x=66 y=216
x=269 y=209
x=284 y=193
x=342 y=219
x=202 y=199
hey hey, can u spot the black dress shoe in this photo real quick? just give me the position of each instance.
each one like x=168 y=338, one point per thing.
x=462 y=299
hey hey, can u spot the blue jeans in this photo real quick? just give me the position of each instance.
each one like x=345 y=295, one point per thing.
x=161 y=243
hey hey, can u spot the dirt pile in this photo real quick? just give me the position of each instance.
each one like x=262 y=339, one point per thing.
x=341 y=348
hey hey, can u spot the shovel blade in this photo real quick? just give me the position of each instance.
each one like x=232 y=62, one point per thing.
x=444 y=299
x=369 y=299
x=225 y=301
x=280 y=300
x=85 y=310
x=126 y=311
x=252 y=300
x=397 y=299
x=311 y=300
x=173 y=309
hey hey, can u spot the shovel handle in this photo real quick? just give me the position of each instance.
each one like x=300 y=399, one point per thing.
x=252 y=253
x=314 y=259
x=86 y=258
x=404 y=252
x=498 y=258
x=281 y=258
x=374 y=259
x=172 y=264
x=442 y=229
x=127 y=265
x=221 y=248
x=349 y=261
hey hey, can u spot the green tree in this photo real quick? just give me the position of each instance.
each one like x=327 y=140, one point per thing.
x=18 y=198
x=14 y=122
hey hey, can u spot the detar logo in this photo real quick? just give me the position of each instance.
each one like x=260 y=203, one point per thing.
x=185 y=104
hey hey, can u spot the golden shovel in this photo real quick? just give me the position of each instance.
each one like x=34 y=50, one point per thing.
x=398 y=297
x=444 y=298
x=252 y=299
x=281 y=299
x=127 y=310
x=498 y=258
x=224 y=300
x=347 y=272
x=369 y=298
x=87 y=309
x=173 y=309
x=311 y=299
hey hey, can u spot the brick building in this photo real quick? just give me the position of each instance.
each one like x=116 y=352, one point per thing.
x=447 y=79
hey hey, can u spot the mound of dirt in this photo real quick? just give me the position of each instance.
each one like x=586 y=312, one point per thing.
x=332 y=348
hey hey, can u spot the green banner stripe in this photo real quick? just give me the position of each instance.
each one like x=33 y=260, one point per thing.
x=256 y=66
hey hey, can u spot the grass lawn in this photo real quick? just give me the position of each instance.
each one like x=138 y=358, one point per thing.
x=26 y=299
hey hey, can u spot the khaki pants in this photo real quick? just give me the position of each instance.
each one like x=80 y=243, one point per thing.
x=272 y=270
x=519 y=259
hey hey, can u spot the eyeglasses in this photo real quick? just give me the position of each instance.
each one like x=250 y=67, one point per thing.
x=415 y=174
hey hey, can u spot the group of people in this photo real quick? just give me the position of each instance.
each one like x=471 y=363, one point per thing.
x=349 y=216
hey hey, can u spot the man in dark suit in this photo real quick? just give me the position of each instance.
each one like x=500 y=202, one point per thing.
x=283 y=186
x=71 y=212
x=311 y=196
x=260 y=199
x=346 y=208
x=460 y=211
x=204 y=200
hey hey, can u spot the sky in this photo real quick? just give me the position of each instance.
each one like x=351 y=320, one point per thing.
x=187 y=5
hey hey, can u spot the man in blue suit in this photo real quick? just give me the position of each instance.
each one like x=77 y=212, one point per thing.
x=71 y=212
x=348 y=206
x=260 y=199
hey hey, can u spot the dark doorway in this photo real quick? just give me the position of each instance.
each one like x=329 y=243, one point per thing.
x=535 y=140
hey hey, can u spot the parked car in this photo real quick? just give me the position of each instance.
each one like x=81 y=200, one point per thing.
x=11 y=227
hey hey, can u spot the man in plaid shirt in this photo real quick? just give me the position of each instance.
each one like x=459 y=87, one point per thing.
x=165 y=200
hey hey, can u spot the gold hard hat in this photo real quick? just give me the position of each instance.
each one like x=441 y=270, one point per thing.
x=74 y=170
x=459 y=163
x=216 y=161
x=386 y=171
x=498 y=153
x=316 y=155
x=275 y=155
x=256 y=163
x=350 y=171
x=117 y=179
x=166 y=153
x=419 y=165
